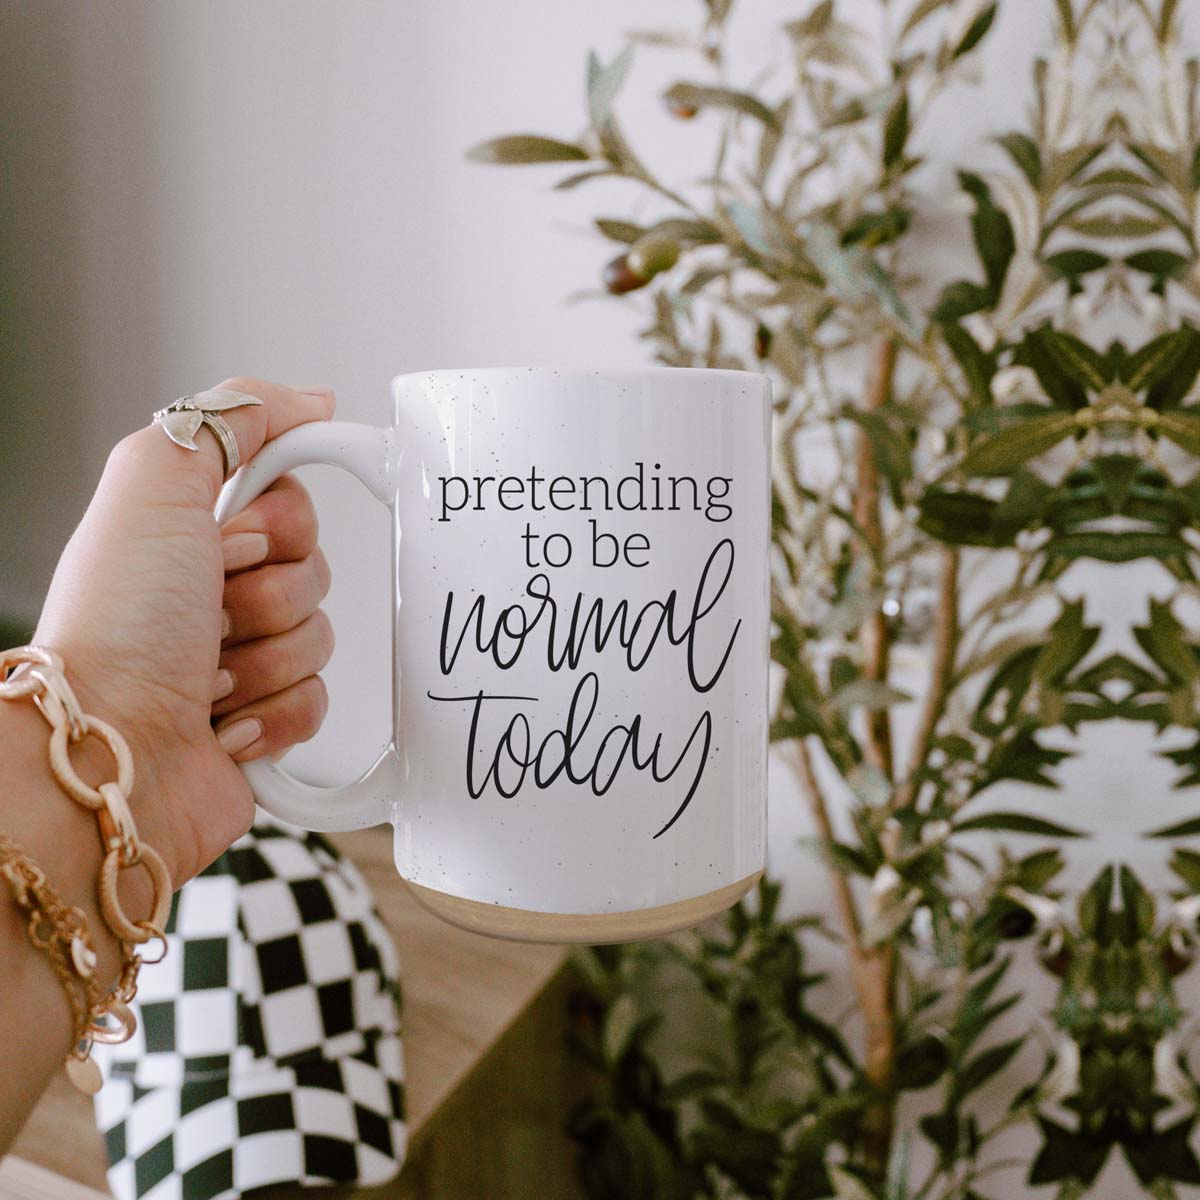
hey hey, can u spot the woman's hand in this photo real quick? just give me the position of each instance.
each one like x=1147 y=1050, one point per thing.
x=200 y=644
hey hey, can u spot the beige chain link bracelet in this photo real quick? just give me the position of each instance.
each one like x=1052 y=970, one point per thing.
x=59 y=930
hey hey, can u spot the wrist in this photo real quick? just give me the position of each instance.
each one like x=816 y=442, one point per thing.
x=99 y=694
x=61 y=836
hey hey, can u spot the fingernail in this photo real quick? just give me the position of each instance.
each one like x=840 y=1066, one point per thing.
x=223 y=684
x=226 y=624
x=244 y=550
x=236 y=737
x=313 y=391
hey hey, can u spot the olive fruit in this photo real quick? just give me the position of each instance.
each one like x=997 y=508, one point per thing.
x=584 y=1010
x=762 y=341
x=1057 y=962
x=620 y=277
x=1016 y=921
x=677 y=108
x=653 y=253
x=1175 y=963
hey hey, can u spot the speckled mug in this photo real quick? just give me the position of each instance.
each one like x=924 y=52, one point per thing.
x=580 y=644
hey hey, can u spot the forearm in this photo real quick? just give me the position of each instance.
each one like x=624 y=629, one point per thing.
x=61 y=837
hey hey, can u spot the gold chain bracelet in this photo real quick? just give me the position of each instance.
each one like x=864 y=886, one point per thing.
x=59 y=930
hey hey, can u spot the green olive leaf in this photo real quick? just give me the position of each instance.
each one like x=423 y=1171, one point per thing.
x=1003 y=452
x=521 y=148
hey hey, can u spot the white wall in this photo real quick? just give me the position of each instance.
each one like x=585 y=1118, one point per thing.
x=278 y=188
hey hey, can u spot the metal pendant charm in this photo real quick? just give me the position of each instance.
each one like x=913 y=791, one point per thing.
x=113 y=1035
x=85 y=1075
x=83 y=959
x=180 y=425
x=183 y=418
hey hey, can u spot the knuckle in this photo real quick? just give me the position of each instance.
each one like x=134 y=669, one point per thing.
x=279 y=601
x=311 y=704
x=284 y=664
x=325 y=636
x=297 y=518
x=324 y=576
x=286 y=514
x=308 y=513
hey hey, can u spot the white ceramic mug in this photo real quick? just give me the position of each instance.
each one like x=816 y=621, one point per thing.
x=580 y=644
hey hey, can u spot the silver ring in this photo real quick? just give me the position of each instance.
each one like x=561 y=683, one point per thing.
x=181 y=420
x=228 y=440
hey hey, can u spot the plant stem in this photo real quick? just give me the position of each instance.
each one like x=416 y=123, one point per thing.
x=875 y=967
x=876 y=975
x=843 y=895
x=875 y=636
x=941 y=672
x=872 y=969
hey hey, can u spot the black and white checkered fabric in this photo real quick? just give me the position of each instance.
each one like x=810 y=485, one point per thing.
x=268 y=1048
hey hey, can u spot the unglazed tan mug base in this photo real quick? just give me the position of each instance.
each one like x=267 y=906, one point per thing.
x=524 y=925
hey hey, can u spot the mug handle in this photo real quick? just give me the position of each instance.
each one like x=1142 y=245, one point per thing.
x=366 y=452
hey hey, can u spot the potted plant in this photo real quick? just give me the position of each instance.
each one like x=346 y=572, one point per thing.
x=949 y=453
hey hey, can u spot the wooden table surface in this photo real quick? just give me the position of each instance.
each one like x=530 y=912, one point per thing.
x=462 y=994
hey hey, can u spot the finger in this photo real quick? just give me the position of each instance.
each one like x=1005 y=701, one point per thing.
x=275 y=722
x=269 y=664
x=195 y=476
x=273 y=598
x=281 y=409
x=279 y=526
